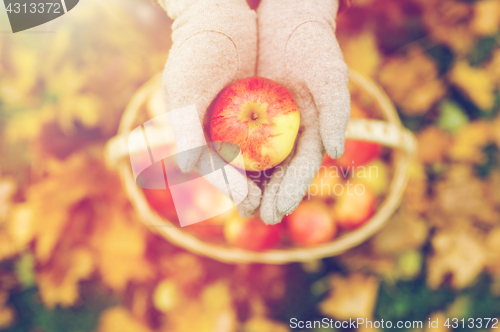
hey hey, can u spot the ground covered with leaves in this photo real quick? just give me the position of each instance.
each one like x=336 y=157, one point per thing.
x=74 y=257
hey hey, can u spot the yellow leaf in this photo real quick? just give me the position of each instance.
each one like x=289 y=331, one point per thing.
x=67 y=81
x=51 y=199
x=7 y=189
x=412 y=81
x=58 y=281
x=166 y=296
x=433 y=143
x=214 y=312
x=7 y=246
x=21 y=225
x=119 y=319
x=361 y=53
x=82 y=109
x=469 y=141
x=404 y=231
x=120 y=245
x=27 y=126
x=7 y=314
x=448 y=23
x=216 y=296
x=462 y=195
x=458 y=253
x=26 y=69
x=6 y=317
x=351 y=297
x=416 y=193
x=185 y=268
x=486 y=19
x=493 y=246
x=475 y=83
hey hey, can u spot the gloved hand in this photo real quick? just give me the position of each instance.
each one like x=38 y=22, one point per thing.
x=214 y=45
x=298 y=48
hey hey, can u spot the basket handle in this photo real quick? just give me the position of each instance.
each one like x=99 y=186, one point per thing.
x=384 y=133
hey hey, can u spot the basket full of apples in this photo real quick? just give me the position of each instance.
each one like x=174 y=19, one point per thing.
x=257 y=122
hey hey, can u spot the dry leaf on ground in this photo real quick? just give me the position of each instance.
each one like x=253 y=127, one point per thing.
x=351 y=296
x=412 y=81
x=458 y=257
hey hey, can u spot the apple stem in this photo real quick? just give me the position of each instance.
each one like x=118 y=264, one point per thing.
x=254 y=116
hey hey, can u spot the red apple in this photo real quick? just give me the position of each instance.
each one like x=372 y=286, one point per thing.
x=252 y=233
x=261 y=117
x=310 y=224
x=358 y=153
x=354 y=206
x=161 y=201
x=202 y=202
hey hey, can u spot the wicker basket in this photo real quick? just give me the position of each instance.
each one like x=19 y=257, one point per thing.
x=388 y=133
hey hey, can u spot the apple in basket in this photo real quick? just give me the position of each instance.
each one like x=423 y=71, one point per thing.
x=310 y=224
x=161 y=201
x=326 y=181
x=252 y=233
x=375 y=176
x=258 y=115
x=358 y=153
x=354 y=207
x=203 y=202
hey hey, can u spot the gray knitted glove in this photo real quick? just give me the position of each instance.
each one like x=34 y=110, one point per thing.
x=214 y=45
x=298 y=48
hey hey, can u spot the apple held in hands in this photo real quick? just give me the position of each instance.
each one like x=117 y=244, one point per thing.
x=261 y=117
